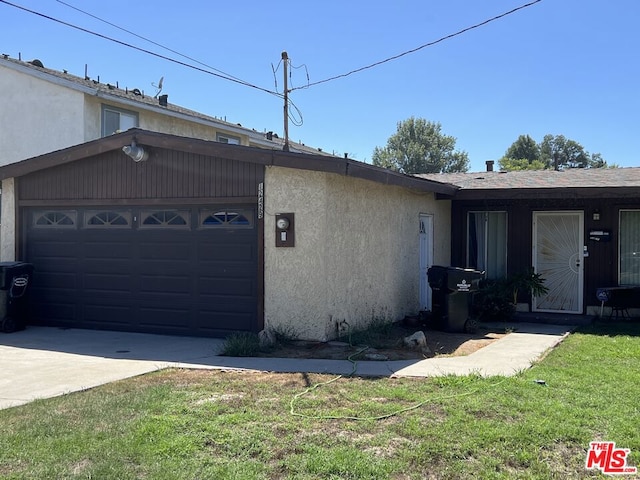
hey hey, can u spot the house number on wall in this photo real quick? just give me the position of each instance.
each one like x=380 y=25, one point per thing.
x=260 y=200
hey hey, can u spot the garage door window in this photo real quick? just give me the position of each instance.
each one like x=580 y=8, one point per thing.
x=165 y=219
x=107 y=219
x=55 y=219
x=228 y=219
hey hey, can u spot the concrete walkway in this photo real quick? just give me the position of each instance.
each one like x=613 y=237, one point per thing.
x=43 y=362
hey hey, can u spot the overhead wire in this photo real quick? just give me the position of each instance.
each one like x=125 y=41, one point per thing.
x=413 y=50
x=149 y=52
x=148 y=40
x=225 y=76
x=231 y=78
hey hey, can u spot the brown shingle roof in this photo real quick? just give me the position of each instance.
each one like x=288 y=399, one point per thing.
x=542 y=179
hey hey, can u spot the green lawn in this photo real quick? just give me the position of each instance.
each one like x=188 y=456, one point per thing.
x=229 y=425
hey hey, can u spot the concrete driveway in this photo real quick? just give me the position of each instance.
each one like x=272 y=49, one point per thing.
x=43 y=362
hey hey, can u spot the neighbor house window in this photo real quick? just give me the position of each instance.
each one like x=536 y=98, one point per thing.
x=223 y=138
x=629 y=253
x=487 y=243
x=116 y=120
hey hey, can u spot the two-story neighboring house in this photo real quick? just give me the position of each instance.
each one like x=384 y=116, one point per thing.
x=45 y=110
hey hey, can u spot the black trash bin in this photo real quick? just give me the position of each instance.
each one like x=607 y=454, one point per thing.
x=15 y=281
x=452 y=289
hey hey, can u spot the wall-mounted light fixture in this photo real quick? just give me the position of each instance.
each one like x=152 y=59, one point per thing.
x=138 y=154
x=596 y=214
x=285 y=231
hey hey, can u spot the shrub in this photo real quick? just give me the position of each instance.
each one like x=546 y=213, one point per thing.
x=241 y=344
x=497 y=299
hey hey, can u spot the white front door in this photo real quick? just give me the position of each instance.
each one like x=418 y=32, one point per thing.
x=558 y=239
x=426 y=259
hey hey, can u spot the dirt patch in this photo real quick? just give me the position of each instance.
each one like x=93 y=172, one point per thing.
x=389 y=346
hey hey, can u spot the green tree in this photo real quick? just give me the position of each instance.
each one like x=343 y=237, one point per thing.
x=512 y=164
x=419 y=146
x=554 y=151
x=524 y=148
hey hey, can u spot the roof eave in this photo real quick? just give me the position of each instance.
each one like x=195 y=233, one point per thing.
x=559 y=193
x=302 y=161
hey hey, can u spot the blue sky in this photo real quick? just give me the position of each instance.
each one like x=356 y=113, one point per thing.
x=567 y=67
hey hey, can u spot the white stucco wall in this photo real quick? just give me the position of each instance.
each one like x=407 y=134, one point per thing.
x=37 y=117
x=356 y=256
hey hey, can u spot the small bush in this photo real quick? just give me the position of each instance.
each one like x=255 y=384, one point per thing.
x=241 y=344
x=494 y=300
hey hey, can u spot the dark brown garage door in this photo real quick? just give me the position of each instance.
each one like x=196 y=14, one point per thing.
x=190 y=271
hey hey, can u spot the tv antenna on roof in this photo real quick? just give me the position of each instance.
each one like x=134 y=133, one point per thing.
x=159 y=87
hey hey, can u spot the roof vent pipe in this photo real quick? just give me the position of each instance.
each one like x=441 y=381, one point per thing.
x=489 y=165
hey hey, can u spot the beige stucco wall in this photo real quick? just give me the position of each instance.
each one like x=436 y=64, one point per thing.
x=37 y=117
x=8 y=224
x=356 y=256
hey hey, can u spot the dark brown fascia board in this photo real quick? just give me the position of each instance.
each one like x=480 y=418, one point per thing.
x=302 y=161
x=558 y=193
x=66 y=155
x=263 y=156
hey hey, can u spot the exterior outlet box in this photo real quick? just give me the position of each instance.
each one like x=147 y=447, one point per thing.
x=285 y=230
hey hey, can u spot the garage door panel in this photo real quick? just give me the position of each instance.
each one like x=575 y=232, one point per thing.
x=225 y=253
x=53 y=249
x=179 y=251
x=218 y=286
x=107 y=266
x=46 y=311
x=226 y=304
x=111 y=250
x=213 y=320
x=103 y=282
x=166 y=284
x=107 y=314
x=175 y=318
x=165 y=267
x=226 y=269
x=56 y=280
x=156 y=277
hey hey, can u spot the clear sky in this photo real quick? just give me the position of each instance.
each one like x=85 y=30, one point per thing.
x=564 y=67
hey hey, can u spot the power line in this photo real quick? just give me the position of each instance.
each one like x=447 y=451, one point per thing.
x=149 y=52
x=149 y=40
x=442 y=39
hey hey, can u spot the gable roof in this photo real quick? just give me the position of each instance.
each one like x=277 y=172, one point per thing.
x=137 y=98
x=583 y=182
x=154 y=140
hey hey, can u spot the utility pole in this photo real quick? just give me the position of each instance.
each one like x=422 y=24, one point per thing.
x=285 y=61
